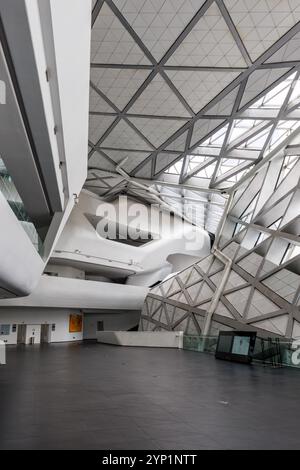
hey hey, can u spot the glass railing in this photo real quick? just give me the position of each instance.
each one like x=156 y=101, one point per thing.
x=273 y=352
x=12 y=196
x=200 y=343
x=277 y=352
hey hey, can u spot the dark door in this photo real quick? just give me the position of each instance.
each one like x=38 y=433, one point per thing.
x=45 y=333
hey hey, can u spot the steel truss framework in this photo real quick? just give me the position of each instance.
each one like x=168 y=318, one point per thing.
x=261 y=236
x=189 y=96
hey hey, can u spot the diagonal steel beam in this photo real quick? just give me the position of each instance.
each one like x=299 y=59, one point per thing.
x=225 y=150
x=177 y=93
x=96 y=10
x=185 y=163
x=193 y=68
x=279 y=43
x=234 y=32
x=120 y=116
x=150 y=57
x=244 y=75
x=142 y=116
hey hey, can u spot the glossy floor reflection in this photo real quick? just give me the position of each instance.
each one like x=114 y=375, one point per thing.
x=90 y=396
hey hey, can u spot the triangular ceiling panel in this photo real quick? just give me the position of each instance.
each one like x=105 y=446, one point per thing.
x=154 y=305
x=234 y=280
x=119 y=85
x=210 y=43
x=157 y=131
x=205 y=306
x=285 y=283
x=178 y=314
x=184 y=275
x=192 y=328
x=205 y=293
x=216 y=266
x=193 y=291
x=200 y=87
x=277 y=325
x=99 y=161
x=224 y=311
x=260 y=305
x=98 y=125
x=217 y=278
x=260 y=80
x=182 y=326
x=261 y=23
x=251 y=263
x=98 y=104
x=176 y=296
x=182 y=298
x=179 y=143
x=111 y=43
x=144 y=171
x=170 y=312
x=289 y=52
x=158 y=99
x=124 y=137
x=158 y=22
x=194 y=277
x=225 y=105
x=163 y=160
x=205 y=263
x=157 y=315
x=239 y=299
x=203 y=127
x=170 y=286
x=163 y=317
x=133 y=159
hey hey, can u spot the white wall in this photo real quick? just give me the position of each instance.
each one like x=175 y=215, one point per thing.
x=20 y=265
x=62 y=292
x=71 y=23
x=33 y=331
x=61 y=32
x=34 y=317
x=150 y=339
x=55 y=35
x=122 y=321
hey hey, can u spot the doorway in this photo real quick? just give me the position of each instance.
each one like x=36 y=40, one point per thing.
x=91 y=325
x=21 y=336
x=45 y=333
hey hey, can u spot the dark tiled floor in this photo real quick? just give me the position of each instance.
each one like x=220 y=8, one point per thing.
x=89 y=396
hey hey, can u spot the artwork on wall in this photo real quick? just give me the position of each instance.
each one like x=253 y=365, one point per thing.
x=75 y=323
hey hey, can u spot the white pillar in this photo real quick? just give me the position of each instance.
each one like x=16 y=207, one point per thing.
x=2 y=353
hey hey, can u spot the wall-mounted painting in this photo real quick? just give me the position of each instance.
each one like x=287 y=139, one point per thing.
x=75 y=323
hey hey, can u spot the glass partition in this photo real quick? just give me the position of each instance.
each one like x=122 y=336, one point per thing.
x=12 y=196
x=272 y=352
